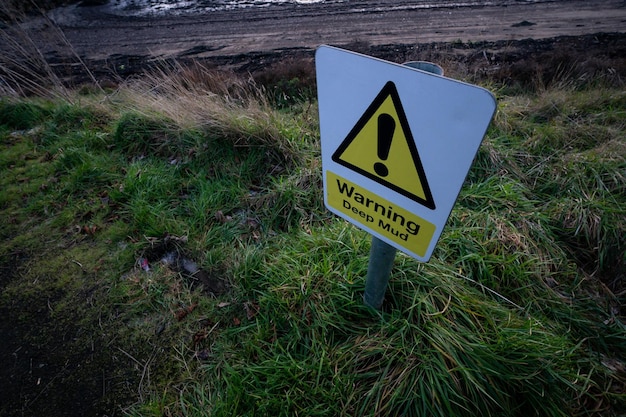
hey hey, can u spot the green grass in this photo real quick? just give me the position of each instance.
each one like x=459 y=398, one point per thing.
x=519 y=312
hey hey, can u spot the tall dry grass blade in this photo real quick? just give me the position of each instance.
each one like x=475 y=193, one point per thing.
x=24 y=68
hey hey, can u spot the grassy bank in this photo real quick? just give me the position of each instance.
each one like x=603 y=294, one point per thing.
x=165 y=251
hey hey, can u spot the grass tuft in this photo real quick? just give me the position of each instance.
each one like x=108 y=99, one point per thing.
x=21 y=115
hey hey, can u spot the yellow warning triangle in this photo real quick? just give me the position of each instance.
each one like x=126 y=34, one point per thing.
x=380 y=146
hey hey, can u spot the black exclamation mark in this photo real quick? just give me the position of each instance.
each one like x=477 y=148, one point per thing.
x=386 y=127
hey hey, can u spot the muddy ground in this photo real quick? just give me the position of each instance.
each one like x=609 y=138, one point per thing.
x=485 y=39
x=96 y=33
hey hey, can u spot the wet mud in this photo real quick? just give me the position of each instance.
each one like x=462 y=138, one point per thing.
x=482 y=39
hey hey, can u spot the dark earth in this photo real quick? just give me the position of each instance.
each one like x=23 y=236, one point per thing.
x=481 y=40
x=44 y=370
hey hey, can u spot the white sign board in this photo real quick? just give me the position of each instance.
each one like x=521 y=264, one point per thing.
x=397 y=144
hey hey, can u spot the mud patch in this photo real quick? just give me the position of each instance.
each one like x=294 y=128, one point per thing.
x=528 y=63
x=169 y=252
x=57 y=364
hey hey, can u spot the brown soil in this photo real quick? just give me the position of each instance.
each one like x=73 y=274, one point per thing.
x=487 y=39
x=97 y=34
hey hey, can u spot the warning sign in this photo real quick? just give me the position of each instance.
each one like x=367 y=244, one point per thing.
x=396 y=145
x=381 y=147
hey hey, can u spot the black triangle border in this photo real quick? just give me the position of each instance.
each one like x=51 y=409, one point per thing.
x=388 y=90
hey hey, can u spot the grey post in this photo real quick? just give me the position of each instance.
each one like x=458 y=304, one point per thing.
x=382 y=255
x=381 y=260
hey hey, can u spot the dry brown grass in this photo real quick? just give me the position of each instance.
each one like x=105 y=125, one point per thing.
x=195 y=95
x=24 y=69
x=219 y=102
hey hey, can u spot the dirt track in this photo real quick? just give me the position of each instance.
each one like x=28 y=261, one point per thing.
x=95 y=34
